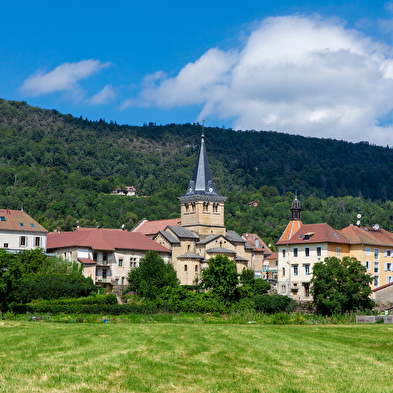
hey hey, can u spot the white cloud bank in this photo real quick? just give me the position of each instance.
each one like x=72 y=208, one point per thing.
x=65 y=77
x=295 y=74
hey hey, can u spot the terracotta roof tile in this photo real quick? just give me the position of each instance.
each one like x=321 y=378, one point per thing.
x=318 y=233
x=251 y=239
x=364 y=235
x=103 y=239
x=150 y=228
x=290 y=230
x=18 y=220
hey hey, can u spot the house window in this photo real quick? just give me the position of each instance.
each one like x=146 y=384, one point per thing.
x=94 y=256
x=120 y=262
x=23 y=241
x=283 y=271
x=388 y=253
x=338 y=252
x=307 y=251
x=117 y=281
x=376 y=267
x=307 y=290
x=388 y=267
x=21 y=224
x=376 y=281
x=389 y=279
x=367 y=265
x=37 y=241
x=295 y=270
x=122 y=281
x=283 y=253
x=185 y=268
x=295 y=252
x=307 y=270
x=2 y=218
x=32 y=225
x=5 y=245
x=276 y=263
x=368 y=251
x=376 y=253
x=105 y=258
x=196 y=268
x=319 y=251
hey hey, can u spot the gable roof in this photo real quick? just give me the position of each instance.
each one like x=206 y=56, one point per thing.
x=18 y=220
x=290 y=230
x=181 y=232
x=365 y=235
x=317 y=233
x=253 y=239
x=233 y=236
x=103 y=240
x=151 y=228
x=168 y=236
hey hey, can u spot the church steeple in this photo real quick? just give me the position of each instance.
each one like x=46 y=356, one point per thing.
x=296 y=210
x=202 y=207
x=202 y=181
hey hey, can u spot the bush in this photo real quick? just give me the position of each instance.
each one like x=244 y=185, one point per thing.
x=53 y=286
x=271 y=304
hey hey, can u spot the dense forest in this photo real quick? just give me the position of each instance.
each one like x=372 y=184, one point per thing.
x=62 y=170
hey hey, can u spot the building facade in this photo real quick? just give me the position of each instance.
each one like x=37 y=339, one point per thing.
x=18 y=231
x=107 y=255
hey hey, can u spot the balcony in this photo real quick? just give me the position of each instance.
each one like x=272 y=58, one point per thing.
x=105 y=280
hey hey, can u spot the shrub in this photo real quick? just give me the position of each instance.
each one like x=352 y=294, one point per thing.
x=274 y=303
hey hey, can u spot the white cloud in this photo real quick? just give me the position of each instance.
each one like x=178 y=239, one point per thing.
x=65 y=77
x=295 y=74
x=102 y=97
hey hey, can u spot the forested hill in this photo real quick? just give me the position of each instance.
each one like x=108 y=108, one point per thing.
x=62 y=168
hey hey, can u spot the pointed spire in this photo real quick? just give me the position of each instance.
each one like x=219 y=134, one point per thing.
x=202 y=180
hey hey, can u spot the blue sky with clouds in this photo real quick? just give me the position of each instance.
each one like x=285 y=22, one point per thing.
x=301 y=67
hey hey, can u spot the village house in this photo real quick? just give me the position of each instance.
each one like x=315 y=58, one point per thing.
x=301 y=246
x=107 y=255
x=260 y=252
x=18 y=231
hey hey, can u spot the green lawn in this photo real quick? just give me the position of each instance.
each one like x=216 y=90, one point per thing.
x=164 y=357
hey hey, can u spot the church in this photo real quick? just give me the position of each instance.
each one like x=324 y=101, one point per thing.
x=201 y=233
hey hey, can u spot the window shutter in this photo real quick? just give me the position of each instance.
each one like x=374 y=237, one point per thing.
x=386 y=267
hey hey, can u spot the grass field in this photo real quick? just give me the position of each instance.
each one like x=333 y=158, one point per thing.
x=170 y=357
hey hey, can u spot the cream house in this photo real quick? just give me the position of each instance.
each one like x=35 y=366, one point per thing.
x=107 y=255
x=18 y=231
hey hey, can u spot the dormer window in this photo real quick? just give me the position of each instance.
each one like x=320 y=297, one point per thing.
x=21 y=224
x=2 y=218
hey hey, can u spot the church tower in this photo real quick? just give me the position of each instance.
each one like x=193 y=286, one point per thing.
x=295 y=210
x=202 y=208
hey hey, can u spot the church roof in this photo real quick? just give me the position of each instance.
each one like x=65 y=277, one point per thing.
x=169 y=237
x=190 y=255
x=220 y=250
x=208 y=239
x=232 y=236
x=181 y=232
x=202 y=183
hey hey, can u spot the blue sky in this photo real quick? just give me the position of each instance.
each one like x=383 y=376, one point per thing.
x=303 y=67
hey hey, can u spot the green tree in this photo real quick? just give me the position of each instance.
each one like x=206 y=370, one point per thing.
x=151 y=276
x=247 y=277
x=10 y=273
x=221 y=277
x=340 y=285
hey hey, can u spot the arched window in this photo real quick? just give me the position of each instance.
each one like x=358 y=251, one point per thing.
x=196 y=268
x=185 y=268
